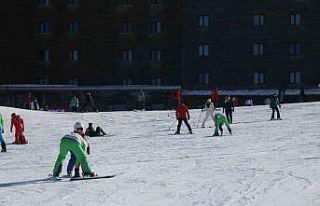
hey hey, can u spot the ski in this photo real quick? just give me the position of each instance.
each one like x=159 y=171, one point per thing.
x=91 y=178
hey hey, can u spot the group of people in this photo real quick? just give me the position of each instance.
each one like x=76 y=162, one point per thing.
x=88 y=104
x=78 y=145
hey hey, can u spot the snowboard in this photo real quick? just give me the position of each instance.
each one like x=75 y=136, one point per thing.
x=91 y=178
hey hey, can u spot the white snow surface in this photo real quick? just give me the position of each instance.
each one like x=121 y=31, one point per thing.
x=263 y=163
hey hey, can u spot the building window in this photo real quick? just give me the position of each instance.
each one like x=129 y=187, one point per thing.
x=156 y=82
x=44 y=55
x=43 y=2
x=295 y=49
x=72 y=2
x=204 y=50
x=258 y=49
x=125 y=2
x=258 y=20
x=127 y=55
x=155 y=26
x=155 y=2
x=258 y=78
x=203 y=78
x=73 y=27
x=74 y=55
x=127 y=81
x=126 y=26
x=295 y=19
x=73 y=81
x=44 y=27
x=155 y=55
x=204 y=21
x=295 y=78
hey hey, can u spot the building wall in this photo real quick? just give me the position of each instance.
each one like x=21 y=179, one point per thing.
x=101 y=41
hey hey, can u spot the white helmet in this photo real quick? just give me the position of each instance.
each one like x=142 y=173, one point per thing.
x=209 y=100
x=78 y=125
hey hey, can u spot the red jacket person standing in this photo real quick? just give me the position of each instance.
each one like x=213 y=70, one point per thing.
x=18 y=124
x=182 y=114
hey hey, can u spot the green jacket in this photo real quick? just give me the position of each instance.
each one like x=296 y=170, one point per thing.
x=1 y=121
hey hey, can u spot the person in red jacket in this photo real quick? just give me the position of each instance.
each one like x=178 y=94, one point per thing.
x=215 y=97
x=177 y=97
x=18 y=124
x=182 y=114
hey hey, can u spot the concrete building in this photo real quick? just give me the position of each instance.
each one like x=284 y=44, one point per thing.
x=196 y=44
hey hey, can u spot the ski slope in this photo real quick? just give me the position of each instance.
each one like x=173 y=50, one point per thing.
x=263 y=163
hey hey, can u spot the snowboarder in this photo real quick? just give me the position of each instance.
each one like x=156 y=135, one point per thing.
x=74 y=143
x=228 y=108
x=3 y=144
x=275 y=105
x=182 y=114
x=91 y=132
x=209 y=109
x=18 y=124
x=220 y=120
x=72 y=161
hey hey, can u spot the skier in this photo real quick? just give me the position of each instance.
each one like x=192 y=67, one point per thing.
x=86 y=147
x=209 y=109
x=18 y=123
x=3 y=144
x=91 y=132
x=228 y=108
x=275 y=105
x=220 y=120
x=74 y=143
x=182 y=114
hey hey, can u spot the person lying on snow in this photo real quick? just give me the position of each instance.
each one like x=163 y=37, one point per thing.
x=91 y=132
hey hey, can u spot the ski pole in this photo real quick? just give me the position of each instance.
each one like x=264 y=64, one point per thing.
x=171 y=124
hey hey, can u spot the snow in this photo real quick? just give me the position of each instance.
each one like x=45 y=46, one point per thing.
x=263 y=163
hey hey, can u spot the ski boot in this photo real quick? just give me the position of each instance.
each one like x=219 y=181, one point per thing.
x=76 y=172
x=3 y=147
x=89 y=174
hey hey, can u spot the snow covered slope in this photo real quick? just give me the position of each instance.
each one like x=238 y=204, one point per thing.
x=263 y=163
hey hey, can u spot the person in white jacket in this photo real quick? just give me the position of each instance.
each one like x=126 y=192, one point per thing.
x=209 y=109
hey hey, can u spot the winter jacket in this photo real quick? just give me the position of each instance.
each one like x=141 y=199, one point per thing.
x=1 y=121
x=182 y=112
x=74 y=102
x=274 y=102
x=208 y=107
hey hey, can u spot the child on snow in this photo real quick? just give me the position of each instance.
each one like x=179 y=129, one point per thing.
x=76 y=144
x=220 y=120
x=228 y=108
x=209 y=109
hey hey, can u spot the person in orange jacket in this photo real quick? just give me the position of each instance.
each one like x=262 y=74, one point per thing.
x=182 y=114
x=18 y=124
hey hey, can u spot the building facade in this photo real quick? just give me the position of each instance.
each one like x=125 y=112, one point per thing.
x=195 y=44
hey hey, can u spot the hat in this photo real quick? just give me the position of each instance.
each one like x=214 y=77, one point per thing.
x=78 y=125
